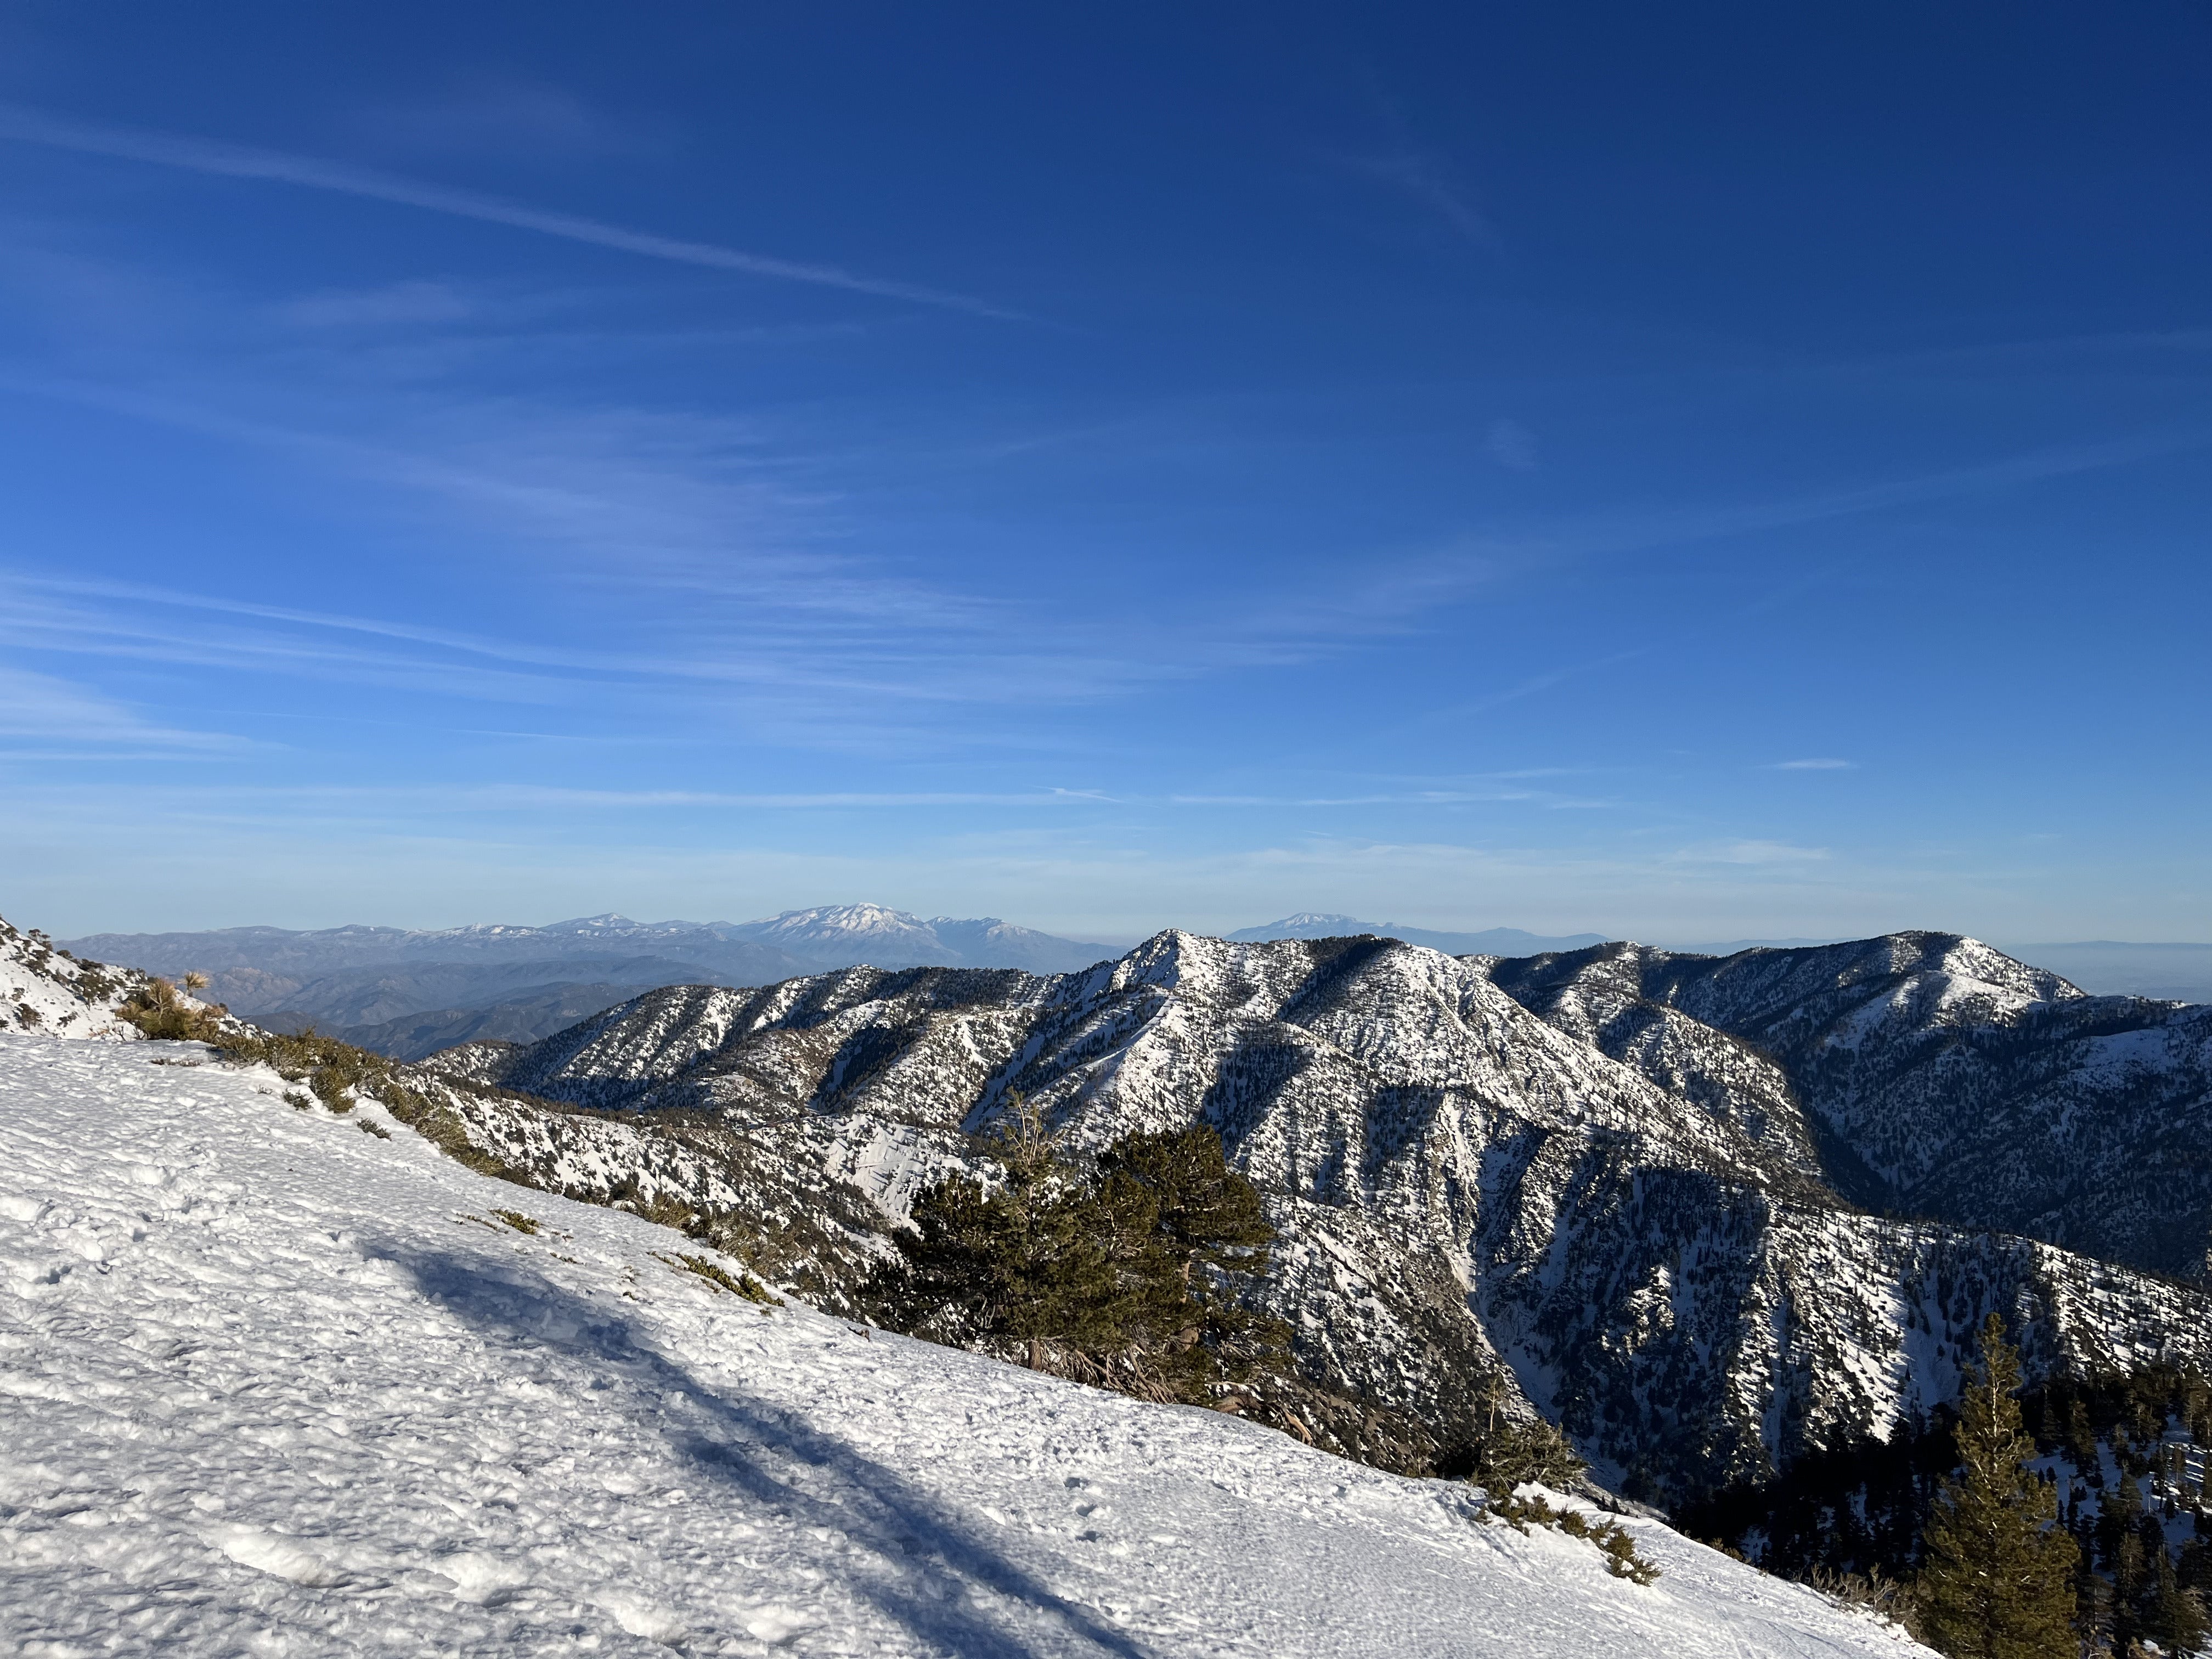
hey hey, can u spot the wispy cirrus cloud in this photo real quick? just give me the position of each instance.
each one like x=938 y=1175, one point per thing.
x=1820 y=765
x=1751 y=852
x=138 y=622
x=29 y=125
x=1425 y=179
x=1396 y=595
x=48 y=718
x=410 y=302
x=504 y=116
x=392 y=800
x=1413 y=797
x=669 y=499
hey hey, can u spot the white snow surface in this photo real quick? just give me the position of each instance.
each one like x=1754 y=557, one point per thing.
x=270 y=1385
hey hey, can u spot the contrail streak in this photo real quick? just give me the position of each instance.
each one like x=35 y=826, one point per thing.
x=33 y=126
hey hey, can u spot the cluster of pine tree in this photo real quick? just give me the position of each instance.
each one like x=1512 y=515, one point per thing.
x=1857 y=1509
x=2103 y=1553
x=1133 y=1274
x=2134 y=1502
x=1505 y=1451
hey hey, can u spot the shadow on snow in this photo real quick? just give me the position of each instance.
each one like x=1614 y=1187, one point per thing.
x=920 y=1564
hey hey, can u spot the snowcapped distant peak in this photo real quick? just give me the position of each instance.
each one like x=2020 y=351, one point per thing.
x=846 y=919
x=1318 y=919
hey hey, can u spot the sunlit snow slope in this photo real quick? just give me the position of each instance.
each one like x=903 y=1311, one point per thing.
x=271 y=1384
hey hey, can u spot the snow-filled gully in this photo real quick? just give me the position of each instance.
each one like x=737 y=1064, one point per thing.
x=270 y=1384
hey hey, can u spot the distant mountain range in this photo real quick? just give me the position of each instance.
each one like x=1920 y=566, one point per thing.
x=408 y=991
x=845 y=935
x=1490 y=942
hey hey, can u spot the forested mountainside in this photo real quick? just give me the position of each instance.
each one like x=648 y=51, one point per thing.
x=1659 y=1255
x=2127 y=1457
x=1926 y=1074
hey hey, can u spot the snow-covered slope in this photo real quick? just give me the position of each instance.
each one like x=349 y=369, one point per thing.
x=1603 y=1003
x=1940 y=1077
x=43 y=989
x=1456 y=1183
x=899 y=939
x=272 y=1385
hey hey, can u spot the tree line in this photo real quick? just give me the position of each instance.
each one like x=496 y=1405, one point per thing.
x=2064 y=1522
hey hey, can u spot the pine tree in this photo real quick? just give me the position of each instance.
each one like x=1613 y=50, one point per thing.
x=1999 y=1579
x=1508 y=1452
x=2080 y=1441
x=1026 y=1261
x=2131 y=1585
x=1210 y=1214
x=2117 y=1515
x=1192 y=1237
x=2173 y=1616
x=1134 y=1273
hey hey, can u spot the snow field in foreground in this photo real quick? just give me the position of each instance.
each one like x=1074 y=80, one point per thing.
x=272 y=1385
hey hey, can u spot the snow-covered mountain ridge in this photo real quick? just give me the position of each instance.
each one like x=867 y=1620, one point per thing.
x=1496 y=941
x=1655 y=1253
x=272 y=1384
x=847 y=935
x=1929 y=1074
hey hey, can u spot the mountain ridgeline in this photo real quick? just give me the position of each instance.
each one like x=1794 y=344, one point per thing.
x=1709 y=1214
x=407 y=992
x=1926 y=1075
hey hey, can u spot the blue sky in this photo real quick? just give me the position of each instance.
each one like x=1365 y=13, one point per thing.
x=1688 y=472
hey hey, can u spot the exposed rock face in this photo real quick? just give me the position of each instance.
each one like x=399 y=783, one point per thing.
x=1651 y=1242
x=1935 y=1076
